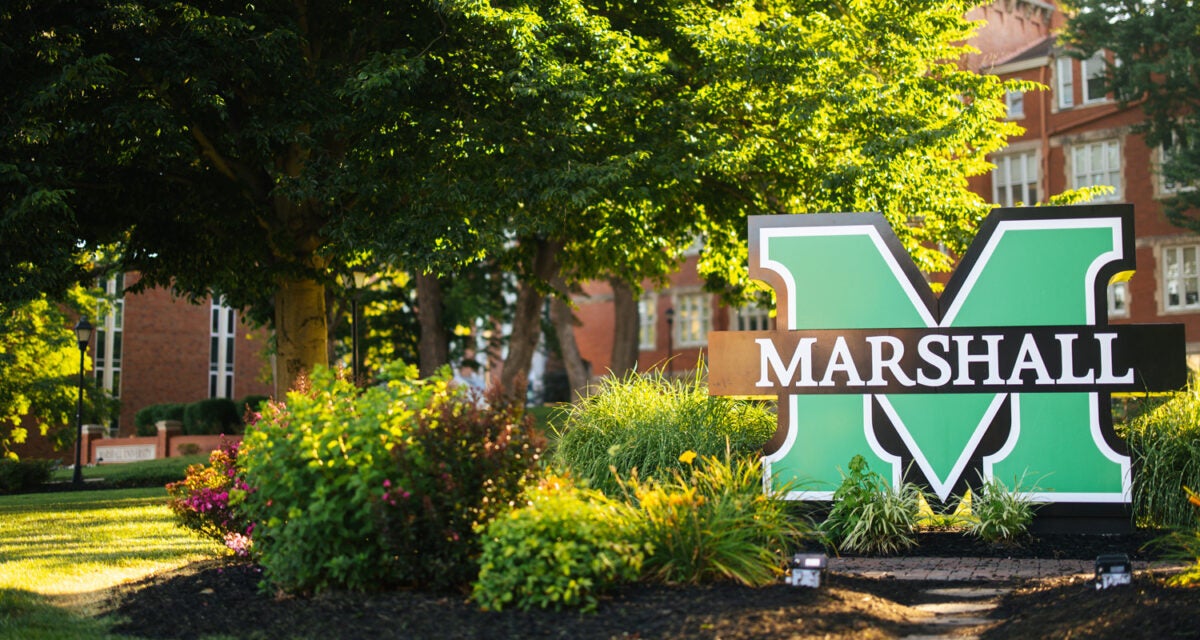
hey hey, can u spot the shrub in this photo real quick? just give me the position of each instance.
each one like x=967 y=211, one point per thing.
x=1165 y=445
x=211 y=416
x=869 y=515
x=642 y=422
x=1000 y=514
x=251 y=404
x=206 y=500
x=146 y=417
x=714 y=522
x=19 y=476
x=338 y=496
x=1183 y=544
x=565 y=546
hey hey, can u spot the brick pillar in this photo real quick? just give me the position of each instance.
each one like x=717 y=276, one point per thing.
x=91 y=433
x=167 y=429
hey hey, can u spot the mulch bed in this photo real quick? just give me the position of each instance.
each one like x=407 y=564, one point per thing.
x=223 y=598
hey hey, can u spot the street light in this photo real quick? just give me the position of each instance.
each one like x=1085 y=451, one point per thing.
x=83 y=333
x=359 y=279
x=670 y=340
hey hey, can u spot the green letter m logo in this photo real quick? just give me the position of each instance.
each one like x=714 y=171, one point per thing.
x=1006 y=375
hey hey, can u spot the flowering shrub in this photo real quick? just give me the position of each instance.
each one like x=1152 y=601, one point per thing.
x=206 y=500
x=363 y=489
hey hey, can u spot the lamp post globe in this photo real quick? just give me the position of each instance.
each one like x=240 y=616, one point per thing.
x=83 y=334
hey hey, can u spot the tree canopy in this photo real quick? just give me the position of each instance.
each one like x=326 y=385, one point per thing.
x=1156 y=46
x=253 y=150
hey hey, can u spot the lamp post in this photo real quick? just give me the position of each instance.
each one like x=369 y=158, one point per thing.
x=83 y=333
x=359 y=278
x=670 y=340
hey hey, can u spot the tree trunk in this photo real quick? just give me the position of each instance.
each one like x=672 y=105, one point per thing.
x=564 y=325
x=527 y=321
x=433 y=348
x=625 y=328
x=301 y=340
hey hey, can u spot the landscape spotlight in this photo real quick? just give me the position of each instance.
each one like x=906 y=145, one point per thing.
x=1113 y=569
x=806 y=569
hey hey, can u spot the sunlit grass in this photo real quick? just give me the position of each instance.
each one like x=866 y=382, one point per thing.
x=67 y=549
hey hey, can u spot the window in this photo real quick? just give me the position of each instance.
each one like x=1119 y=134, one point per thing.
x=1118 y=300
x=1181 y=284
x=220 y=360
x=1015 y=179
x=1065 y=77
x=751 y=317
x=1093 y=71
x=1097 y=163
x=1015 y=101
x=110 y=329
x=693 y=319
x=647 y=317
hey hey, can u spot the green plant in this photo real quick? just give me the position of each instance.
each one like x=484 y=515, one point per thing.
x=363 y=489
x=19 y=476
x=642 y=422
x=211 y=416
x=871 y=516
x=206 y=500
x=562 y=548
x=146 y=417
x=1183 y=544
x=1165 y=445
x=251 y=405
x=1000 y=514
x=713 y=521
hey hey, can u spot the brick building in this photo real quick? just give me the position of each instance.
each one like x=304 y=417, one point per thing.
x=1075 y=136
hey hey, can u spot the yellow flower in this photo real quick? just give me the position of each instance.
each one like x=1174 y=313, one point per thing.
x=687 y=456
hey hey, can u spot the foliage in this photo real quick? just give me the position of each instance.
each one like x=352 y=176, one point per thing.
x=869 y=515
x=146 y=473
x=39 y=372
x=1165 y=446
x=1155 y=43
x=1000 y=513
x=146 y=418
x=1183 y=544
x=458 y=466
x=640 y=422
x=250 y=405
x=348 y=479
x=713 y=521
x=562 y=547
x=19 y=476
x=211 y=416
x=206 y=500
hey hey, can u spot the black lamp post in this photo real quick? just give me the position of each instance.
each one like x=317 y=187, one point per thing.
x=83 y=333
x=670 y=339
x=359 y=279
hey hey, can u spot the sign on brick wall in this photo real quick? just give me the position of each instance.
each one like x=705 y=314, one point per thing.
x=1007 y=373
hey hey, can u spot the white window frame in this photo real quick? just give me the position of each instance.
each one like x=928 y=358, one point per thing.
x=223 y=344
x=1085 y=174
x=1177 y=280
x=1118 y=299
x=1011 y=179
x=751 y=317
x=1014 y=103
x=1064 y=82
x=693 y=319
x=1089 y=70
x=110 y=332
x=647 y=319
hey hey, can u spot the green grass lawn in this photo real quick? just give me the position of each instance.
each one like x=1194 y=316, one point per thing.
x=60 y=552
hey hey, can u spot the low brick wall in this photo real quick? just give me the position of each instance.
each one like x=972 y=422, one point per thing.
x=169 y=443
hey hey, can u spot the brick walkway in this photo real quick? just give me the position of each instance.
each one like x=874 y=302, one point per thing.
x=970 y=568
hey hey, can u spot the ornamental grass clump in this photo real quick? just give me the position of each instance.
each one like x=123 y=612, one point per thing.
x=713 y=521
x=207 y=499
x=642 y=422
x=1183 y=544
x=1165 y=446
x=366 y=489
x=871 y=516
x=563 y=548
x=1000 y=514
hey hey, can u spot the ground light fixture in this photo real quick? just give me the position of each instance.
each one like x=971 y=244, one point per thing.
x=806 y=569
x=83 y=333
x=1113 y=569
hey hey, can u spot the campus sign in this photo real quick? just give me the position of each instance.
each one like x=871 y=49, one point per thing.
x=1007 y=374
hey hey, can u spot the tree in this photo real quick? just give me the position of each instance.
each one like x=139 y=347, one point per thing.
x=1157 y=45
x=39 y=372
